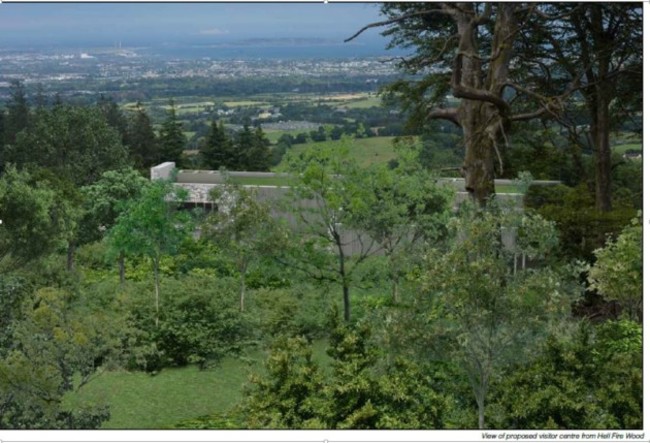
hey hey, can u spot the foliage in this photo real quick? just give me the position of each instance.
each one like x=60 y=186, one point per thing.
x=171 y=138
x=35 y=219
x=218 y=150
x=52 y=342
x=152 y=227
x=141 y=140
x=242 y=226
x=72 y=142
x=288 y=396
x=582 y=228
x=108 y=196
x=491 y=314
x=200 y=324
x=355 y=394
x=591 y=379
x=618 y=271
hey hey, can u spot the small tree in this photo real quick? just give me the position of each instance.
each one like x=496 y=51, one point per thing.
x=242 y=225
x=326 y=199
x=490 y=315
x=152 y=226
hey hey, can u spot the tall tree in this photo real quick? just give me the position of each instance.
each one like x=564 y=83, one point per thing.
x=72 y=141
x=17 y=117
x=141 y=140
x=244 y=145
x=114 y=116
x=258 y=155
x=329 y=193
x=218 y=150
x=171 y=139
x=468 y=50
x=600 y=45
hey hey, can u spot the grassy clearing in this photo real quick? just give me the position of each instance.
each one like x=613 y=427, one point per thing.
x=141 y=401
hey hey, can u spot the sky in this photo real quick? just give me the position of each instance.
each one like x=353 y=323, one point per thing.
x=204 y=23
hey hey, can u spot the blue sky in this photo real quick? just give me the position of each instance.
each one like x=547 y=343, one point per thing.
x=138 y=23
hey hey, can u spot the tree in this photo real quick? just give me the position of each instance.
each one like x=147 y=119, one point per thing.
x=489 y=313
x=18 y=114
x=106 y=199
x=53 y=343
x=407 y=210
x=242 y=226
x=599 y=45
x=141 y=140
x=588 y=377
x=218 y=150
x=35 y=221
x=325 y=197
x=287 y=397
x=73 y=142
x=114 y=116
x=244 y=146
x=467 y=49
x=171 y=139
x=259 y=153
x=151 y=226
x=618 y=271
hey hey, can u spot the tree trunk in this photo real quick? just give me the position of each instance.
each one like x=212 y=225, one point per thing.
x=121 y=264
x=481 y=414
x=482 y=110
x=478 y=166
x=70 y=258
x=242 y=288
x=346 y=302
x=156 y=278
x=600 y=134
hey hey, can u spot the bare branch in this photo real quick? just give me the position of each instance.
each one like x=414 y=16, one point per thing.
x=395 y=20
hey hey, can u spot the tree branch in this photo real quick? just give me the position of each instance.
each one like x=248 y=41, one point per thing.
x=394 y=20
x=450 y=114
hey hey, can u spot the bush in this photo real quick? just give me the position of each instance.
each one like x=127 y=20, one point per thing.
x=199 y=324
x=582 y=227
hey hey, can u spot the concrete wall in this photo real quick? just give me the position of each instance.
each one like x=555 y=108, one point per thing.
x=163 y=171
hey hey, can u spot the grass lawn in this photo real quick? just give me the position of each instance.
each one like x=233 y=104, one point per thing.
x=141 y=401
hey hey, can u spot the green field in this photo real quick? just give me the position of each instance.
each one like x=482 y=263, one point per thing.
x=366 y=151
x=274 y=134
x=141 y=401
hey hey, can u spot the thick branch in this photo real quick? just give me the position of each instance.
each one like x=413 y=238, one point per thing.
x=450 y=114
